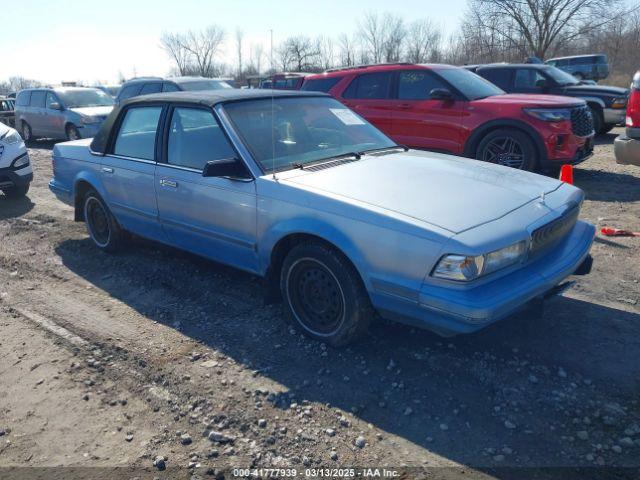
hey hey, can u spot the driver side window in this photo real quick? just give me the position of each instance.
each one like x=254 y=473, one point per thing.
x=417 y=85
x=529 y=80
x=51 y=98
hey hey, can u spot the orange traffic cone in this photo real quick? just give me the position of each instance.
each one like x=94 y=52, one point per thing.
x=566 y=174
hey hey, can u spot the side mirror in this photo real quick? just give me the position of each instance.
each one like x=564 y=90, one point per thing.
x=440 y=94
x=228 y=167
x=55 y=106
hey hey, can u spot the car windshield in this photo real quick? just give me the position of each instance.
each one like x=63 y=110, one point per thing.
x=560 y=76
x=286 y=133
x=472 y=86
x=205 y=85
x=85 y=98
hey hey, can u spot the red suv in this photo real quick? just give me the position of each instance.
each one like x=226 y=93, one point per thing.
x=452 y=110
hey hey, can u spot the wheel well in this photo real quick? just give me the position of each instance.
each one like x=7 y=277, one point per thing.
x=279 y=253
x=596 y=106
x=472 y=144
x=82 y=187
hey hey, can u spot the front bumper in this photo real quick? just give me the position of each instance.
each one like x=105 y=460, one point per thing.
x=451 y=311
x=614 y=116
x=627 y=150
x=583 y=150
x=10 y=177
x=89 y=130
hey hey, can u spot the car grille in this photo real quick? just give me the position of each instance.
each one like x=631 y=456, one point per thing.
x=554 y=231
x=581 y=121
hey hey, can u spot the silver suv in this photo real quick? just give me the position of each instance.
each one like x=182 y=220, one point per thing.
x=61 y=113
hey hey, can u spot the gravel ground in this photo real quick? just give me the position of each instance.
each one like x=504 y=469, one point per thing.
x=116 y=360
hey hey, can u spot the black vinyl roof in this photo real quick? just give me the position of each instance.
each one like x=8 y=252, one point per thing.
x=208 y=98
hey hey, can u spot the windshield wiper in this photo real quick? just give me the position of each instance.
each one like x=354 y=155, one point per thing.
x=382 y=149
x=302 y=166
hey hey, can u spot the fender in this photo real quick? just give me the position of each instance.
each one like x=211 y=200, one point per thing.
x=309 y=226
x=481 y=130
x=596 y=100
x=93 y=179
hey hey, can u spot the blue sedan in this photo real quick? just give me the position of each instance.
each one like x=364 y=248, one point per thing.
x=341 y=222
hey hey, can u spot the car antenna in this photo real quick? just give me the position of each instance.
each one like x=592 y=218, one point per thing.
x=273 y=138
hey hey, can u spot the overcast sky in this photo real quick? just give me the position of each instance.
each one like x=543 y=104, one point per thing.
x=58 y=40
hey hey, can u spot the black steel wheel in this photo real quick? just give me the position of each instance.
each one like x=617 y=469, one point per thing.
x=102 y=227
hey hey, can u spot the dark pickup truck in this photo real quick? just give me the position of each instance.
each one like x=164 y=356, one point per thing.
x=607 y=104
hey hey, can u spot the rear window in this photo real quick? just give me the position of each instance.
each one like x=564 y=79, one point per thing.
x=370 y=86
x=129 y=91
x=37 y=98
x=320 y=84
x=154 y=87
x=137 y=135
x=23 y=98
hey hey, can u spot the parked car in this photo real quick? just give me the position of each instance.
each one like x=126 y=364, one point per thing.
x=449 y=109
x=607 y=104
x=7 y=111
x=147 y=85
x=15 y=168
x=109 y=89
x=339 y=219
x=627 y=145
x=284 y=81
x=583 y=67
x=61 y=112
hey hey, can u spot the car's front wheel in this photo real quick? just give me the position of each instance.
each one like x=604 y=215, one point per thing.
x=508 y=147
x=16 y=192
x=27 y=134
x=72 y=132
x=598 y=120
x=102 y=226
x=324 y=295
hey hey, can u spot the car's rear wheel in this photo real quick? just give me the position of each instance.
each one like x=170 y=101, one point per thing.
x=27 y=134
x=72 y=132
x=508 y=147
x=323 y=294
x=16 y=192
x=102 y=226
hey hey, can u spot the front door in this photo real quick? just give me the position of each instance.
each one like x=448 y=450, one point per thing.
x=422 y=122
x=211 y=216
x=128 y=171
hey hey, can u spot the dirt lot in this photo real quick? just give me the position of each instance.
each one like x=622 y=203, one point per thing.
x=113 y=360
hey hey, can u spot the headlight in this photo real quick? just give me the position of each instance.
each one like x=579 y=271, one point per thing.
x=620 y=102
x=11 y=137
x=549 y=114
x=87 y=120
x=466 y=268
x=21 y=161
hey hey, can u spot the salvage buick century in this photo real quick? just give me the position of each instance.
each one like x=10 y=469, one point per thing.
x=339 y=220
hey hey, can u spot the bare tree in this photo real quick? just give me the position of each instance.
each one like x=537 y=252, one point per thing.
x=173 y=45
x=239 y=37
x=393 y=38
x=326 y=52
x=423 y=42
x=347 y=50
x=299 y=54
x=538 y=26
x=256 y=55
x=371 y=31
x=203 y=47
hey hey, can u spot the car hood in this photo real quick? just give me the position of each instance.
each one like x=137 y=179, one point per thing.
x=531 y=100
x=597 y=90
x=452 y=193
x=93 y=111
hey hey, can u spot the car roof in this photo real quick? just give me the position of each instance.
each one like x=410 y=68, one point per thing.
x=169 y=79
x=577 y=56
x=203 y=97
x=383 y=67
x=540 y=66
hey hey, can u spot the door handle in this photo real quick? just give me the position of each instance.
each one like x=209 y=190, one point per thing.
x=405 y=106
x=107 y=169
x=169 y=183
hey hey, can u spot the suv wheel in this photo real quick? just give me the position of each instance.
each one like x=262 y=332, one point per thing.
x=598 y=119
x=508 y=147
x=323 y=294
x=16 y=192
x=101 y=224
x=26 y=132
x=72 y=132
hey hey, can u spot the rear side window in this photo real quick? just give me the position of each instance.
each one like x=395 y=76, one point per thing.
x=137 y=135
x=196 y=138
x=170 y=87
x=129 y=91
x=528 y=79
x=320 y=84
x=154 y=87
x=23 y=98
x=417 y=85
x=369 y=86
x=38 y=98
x=499 y=77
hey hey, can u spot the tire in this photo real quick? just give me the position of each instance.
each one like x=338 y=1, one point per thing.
x=508 y=147
x=102 y=227
x=598 y=120
x=26 y=132
x=72 y=133
x=16 y=192
x=324 y=295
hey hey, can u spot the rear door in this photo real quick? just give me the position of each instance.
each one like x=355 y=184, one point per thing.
x=210 y=216
x=128 y=171
x=420 y=121
x=36 y=116
x=369 y=95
